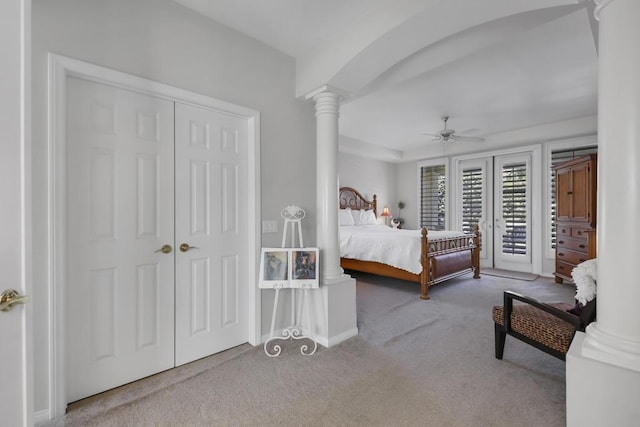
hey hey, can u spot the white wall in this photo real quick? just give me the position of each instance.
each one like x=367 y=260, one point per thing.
x=369 y=177
x=407 y=190
x=162 y=41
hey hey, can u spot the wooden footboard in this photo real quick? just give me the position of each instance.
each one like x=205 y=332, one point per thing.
x=447 y=258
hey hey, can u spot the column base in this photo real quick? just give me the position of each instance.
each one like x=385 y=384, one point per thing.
x=334 y=311
x=599 y=393
x=604 y=347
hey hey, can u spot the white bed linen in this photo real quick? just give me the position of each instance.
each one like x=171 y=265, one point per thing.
x=379 y=243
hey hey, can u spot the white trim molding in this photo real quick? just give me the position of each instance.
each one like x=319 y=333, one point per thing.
x=600 y=4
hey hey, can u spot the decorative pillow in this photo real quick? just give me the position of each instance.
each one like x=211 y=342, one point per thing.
x=345 y=217
x=367 y=217
x=585 y=276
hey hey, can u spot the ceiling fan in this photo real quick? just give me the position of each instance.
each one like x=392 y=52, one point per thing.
x=450 y=134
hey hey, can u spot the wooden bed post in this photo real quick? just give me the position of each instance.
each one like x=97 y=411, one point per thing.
x=426 y=270
x=475 y=253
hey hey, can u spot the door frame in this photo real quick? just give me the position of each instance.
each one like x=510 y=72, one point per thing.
x=60 y=68
x=537 y=210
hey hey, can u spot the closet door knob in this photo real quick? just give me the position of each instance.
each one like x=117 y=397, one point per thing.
x=185 y=247
x=165 y=249
x=11 y=297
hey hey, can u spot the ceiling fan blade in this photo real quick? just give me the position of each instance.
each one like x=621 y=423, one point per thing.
x=468 y=138
x=431 y=134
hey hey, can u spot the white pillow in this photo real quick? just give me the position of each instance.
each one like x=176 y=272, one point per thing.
x=345 y=217
x=356 y=217
x=363 y=217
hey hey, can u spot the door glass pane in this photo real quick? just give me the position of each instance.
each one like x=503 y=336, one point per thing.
x=471 y=198
x=432 y=197
x=472 y=185
x=514 y=209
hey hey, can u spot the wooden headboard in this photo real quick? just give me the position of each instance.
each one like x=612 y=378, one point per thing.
x=351 y=198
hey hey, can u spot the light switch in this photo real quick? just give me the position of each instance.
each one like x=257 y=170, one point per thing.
x=269 y=226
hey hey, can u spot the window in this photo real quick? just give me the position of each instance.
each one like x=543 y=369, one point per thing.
x=558 y=157
x=432 y=197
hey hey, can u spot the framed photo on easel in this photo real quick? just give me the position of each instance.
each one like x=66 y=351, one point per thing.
x=289 y=268
x=304 y=268
x=274 y=268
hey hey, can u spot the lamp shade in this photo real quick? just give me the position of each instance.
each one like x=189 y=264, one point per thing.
x=385 y=212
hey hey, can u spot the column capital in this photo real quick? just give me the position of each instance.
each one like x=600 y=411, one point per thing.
x=600 y=4
x=326 y=90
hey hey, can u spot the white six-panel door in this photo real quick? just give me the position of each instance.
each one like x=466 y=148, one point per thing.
x=120 y=291
x=16 y=350
x=211 y=188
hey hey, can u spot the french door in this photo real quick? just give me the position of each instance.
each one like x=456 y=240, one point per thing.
x=495 y=193
x=154 y=194
x=475 y=203
x=512 y=212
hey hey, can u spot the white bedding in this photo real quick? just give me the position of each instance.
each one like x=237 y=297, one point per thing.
x=379 y=243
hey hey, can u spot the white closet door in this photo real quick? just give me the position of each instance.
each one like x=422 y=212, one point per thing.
x=211 y=215
x=120 y=290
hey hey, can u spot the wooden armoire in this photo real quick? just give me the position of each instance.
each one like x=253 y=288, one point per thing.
x=575 y=214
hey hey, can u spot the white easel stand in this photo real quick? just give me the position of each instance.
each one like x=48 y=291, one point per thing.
x=293 y=216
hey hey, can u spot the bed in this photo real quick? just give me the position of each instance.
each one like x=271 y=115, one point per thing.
x=418 y=256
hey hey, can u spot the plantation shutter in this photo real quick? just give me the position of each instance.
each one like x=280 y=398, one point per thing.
x=432 y=197
x=514 y=209
x=558 y=157
x=472 y=186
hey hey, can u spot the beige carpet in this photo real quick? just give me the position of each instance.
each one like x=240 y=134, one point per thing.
x=414 y=363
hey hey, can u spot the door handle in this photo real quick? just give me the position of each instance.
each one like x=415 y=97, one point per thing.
x=9 y=298
x=165 y=249
x=185 y=247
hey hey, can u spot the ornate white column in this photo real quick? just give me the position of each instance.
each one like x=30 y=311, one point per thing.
x=615 y=337
x=603 y=365
x=335 y=302
x=327 y=105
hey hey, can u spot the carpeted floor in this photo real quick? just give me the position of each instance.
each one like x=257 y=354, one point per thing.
x=414 y=363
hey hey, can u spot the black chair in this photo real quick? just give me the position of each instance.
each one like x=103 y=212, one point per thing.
x=548 y=327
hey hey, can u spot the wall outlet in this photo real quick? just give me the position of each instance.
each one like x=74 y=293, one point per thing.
x=269 y=226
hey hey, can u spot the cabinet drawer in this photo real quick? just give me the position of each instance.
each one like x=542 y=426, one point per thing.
x=563 y=230
x=564 y=268
x=571 y=257
x=579 y=232
x=578 y=245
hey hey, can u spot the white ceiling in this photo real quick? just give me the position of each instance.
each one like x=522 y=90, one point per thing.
x=526 y=70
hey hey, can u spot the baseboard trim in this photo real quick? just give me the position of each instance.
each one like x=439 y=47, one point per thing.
x=337 y=339
x=41 y=417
